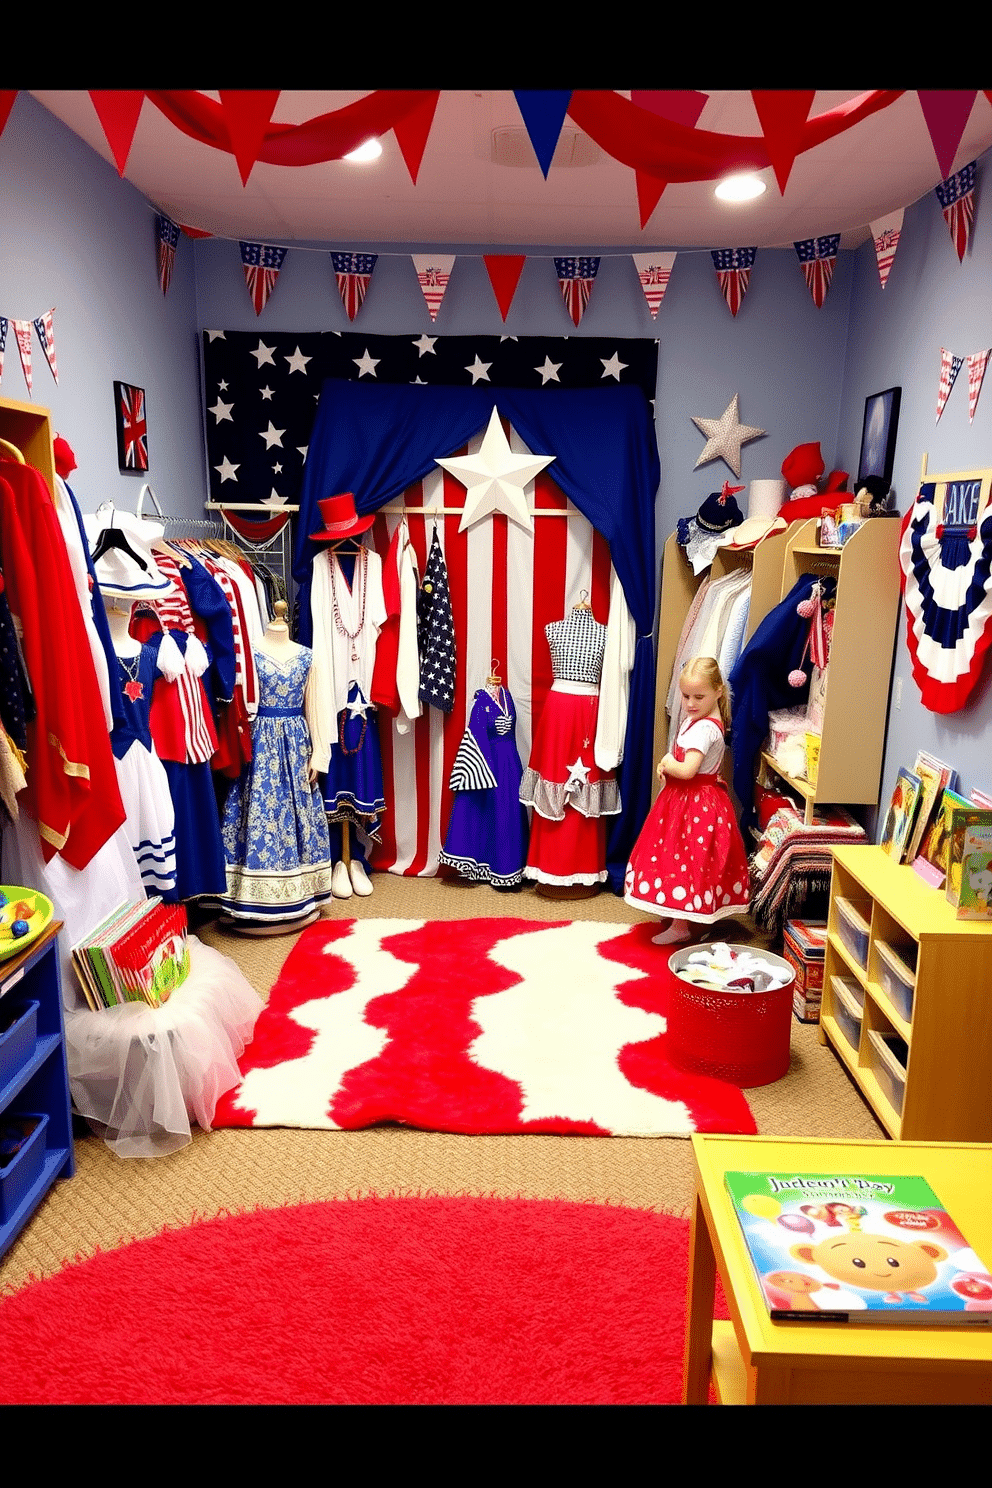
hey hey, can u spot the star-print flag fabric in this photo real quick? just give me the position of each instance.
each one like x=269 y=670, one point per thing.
x=46 y=335
x=167 y=240
x=261 y=263
x=977 y=362
x=22 y=330
x=950 y=366
x=957 y=200
x=653 y=272
x=817 y=257
x=733 y=271
x=260 y=391
x=886 y=232
x=576 y=275
x=436 y=633
x=433 y=272
x=353 y=273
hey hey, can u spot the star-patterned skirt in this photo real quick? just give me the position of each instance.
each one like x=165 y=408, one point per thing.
x=570 y=795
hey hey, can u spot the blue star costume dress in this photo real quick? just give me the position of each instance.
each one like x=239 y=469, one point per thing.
x=276 y=843
x=487 y=833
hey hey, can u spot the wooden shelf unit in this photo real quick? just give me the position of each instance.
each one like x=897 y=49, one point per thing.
x=948 y=1086
x=40 y=1085
x=29 y=427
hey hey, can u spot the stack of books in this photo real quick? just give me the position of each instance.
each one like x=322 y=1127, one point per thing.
x=139 y=953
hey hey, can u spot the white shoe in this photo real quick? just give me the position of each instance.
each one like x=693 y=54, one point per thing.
x=360 y=880
x=340 y=882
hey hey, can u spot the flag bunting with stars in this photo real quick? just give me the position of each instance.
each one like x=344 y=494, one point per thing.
x=353 y=272
x=575 y=275
x=46 y=335
x=950 y=366
x=957 y=199
x=886 y=233
x=818 y=256
x=733 y=271
x=167 y=239
x=261 y=263
x=433 y=273
x=654 y=271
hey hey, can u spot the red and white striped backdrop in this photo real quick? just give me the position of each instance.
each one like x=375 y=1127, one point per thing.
x=506 y=586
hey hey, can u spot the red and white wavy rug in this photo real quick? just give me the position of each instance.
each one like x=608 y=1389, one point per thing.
x=475 y=1026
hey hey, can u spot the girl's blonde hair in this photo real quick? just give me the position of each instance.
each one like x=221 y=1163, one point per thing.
x=705 y=669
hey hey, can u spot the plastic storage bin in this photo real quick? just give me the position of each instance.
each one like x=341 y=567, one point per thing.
x=854 y=930
x=890 y=1066
x=18 y=1036
x=897 y=978
x=743 y=1037
x=23 y=1170
x=847 y=1013
x=854 y=990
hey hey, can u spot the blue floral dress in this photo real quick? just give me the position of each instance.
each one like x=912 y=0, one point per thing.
x=276 y=842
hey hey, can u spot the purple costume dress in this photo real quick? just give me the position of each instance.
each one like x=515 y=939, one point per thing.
x=487 y=833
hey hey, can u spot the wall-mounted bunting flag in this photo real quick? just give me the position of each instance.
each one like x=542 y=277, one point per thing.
x=977 y=362
x=950 y=366
x=22 y=330
x=353 y=271
x=504 y=270
x=818 y=256
x=957 y=199
x=654 y=271
x=4 y=323
x=46 y=335
x=261 y=263
x=733 y=271
x=166 y=239
x=575 y=275
x=886 y=232
x=433 y=273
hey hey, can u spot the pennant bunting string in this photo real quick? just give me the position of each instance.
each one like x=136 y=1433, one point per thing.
x=733 y=271
x=818 y=256
x=654 y=271
x=977 y=362
x=575 y=275
x=166 y=240
x=433 y=273
x=261 y=263
x=957 y=200
x=22 y=330
x=885 y=234
x=950 y=366
x=353 y=273
x=504 y=270
x=46 y=335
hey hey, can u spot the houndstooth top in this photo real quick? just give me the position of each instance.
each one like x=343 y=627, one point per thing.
x=577 y=644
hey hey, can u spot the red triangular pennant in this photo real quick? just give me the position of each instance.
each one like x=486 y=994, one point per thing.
x=7 y=96
x=247 y=112
x=649 y=190
x=946 y=112
x=118 y=110
x=504 y=271
x=681 y=106
x=412 y=131
x=782 y=113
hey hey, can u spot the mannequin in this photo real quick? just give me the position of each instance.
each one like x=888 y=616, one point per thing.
x=276 y=843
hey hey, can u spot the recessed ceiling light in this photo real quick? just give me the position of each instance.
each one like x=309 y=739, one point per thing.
x=739 y=188
x=371 y=150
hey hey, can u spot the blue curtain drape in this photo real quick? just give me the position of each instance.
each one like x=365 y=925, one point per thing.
x=376 y=440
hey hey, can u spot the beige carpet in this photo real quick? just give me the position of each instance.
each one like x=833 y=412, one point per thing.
x=111 y=1200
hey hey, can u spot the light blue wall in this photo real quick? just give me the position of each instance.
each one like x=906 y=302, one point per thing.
x=931 y=300
x=73 y=235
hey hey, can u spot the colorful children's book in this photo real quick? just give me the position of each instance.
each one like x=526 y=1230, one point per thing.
x=934 y=775
x=847 y=1248
x=901 y=813
x=933 y=848
x=975 y=898
x=963 y=819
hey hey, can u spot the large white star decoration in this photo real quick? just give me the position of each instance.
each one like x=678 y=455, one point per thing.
x=366 y=364
x=424 y=344
x=578 y=775
x=267 y=393
x=216 y=336
x=495 y=478
x=298 y=362
x=724 y=437
x=274 y=499
x=221 y=411
x=613 y=367
x=227 y=470
x=549 y=372
x=263 y=353
x=271 y=435
x=479 y=369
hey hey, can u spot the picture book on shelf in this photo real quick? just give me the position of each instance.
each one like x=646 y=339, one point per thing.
x=963 y=819
x=975 y=897
x=933 y=848
x=901 y=813
x=852 y=1248
x=934 y=776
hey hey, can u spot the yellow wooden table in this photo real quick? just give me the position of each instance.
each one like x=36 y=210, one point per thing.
x=753 y=1361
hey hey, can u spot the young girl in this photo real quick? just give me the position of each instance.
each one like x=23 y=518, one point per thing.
x=689 y=864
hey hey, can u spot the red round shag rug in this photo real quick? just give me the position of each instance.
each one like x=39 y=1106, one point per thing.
x=372 y=1301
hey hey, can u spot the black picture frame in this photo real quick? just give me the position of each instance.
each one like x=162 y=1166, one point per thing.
x=878 y=435
x=131 y=418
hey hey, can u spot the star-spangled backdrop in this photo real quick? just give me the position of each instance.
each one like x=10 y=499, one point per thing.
x=261 y=388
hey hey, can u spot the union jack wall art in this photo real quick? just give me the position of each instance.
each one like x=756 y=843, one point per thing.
x=132 y=428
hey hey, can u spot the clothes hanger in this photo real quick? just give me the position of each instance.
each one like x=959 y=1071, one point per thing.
x=494 y=679
x=12 y=448
x=113 y=537
x=582 y=603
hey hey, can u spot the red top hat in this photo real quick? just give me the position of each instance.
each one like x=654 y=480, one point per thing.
x=340 y=519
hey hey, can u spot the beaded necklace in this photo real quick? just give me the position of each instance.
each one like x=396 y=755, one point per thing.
x=361 y=579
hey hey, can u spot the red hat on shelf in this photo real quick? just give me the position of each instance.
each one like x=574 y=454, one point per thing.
x=65 y=459
x=340 y=519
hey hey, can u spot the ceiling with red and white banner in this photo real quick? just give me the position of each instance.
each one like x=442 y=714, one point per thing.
x=597 y=167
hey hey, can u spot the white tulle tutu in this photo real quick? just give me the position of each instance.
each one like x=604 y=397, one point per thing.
x=143 y=1073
